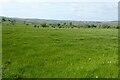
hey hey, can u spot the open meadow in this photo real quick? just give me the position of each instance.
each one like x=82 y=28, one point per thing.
x=30 y=52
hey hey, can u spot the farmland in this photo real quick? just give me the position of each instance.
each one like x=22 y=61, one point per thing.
x=30 y=52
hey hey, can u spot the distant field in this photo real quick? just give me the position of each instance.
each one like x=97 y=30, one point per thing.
x=30 y=52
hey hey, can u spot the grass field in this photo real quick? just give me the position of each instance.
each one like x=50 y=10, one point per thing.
x=30 y=52
x=0 y=50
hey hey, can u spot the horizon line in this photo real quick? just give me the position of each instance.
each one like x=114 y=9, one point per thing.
x=63 y=19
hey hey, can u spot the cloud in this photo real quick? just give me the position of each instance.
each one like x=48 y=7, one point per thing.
x=37 y=1
x=95 y=11
x=60 y=10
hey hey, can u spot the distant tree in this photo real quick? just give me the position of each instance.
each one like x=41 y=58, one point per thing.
x=108 y=27
x=93 y=26
x=70 y=23
x=3 y=20
x=53 y=26
x=65 y=24
x=60 y=27
x=72 y=27
x=35 y=26
x=44 y=25
x=27 y=24
x=89 y=26
x=117 y=27
x=9 y=20
x=38 y=26
x=58 y=24
x=86 y=26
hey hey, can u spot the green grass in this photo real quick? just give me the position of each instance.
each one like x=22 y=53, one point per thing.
x=0 y=51
x=59 y=53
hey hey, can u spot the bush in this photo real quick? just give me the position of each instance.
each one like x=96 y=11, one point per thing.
x=44 y=25
x=60 y=27
x=93 y=26
x=117 y=27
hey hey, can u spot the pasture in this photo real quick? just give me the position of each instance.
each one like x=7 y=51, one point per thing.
x=30 y=52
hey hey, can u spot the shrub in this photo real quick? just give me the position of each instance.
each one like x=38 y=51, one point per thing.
x=35 y=26
x=44 y=25
x=60 y=27
x=117 y=27
x=93 y=26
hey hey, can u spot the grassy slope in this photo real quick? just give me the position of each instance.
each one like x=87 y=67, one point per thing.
x=33 y=52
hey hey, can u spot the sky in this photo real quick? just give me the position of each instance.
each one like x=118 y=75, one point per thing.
x=79 y=10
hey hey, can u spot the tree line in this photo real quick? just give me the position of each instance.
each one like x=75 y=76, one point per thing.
x=70 y=25
x=63 y=25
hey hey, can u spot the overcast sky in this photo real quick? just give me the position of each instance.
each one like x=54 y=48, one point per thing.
x=81 y=10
